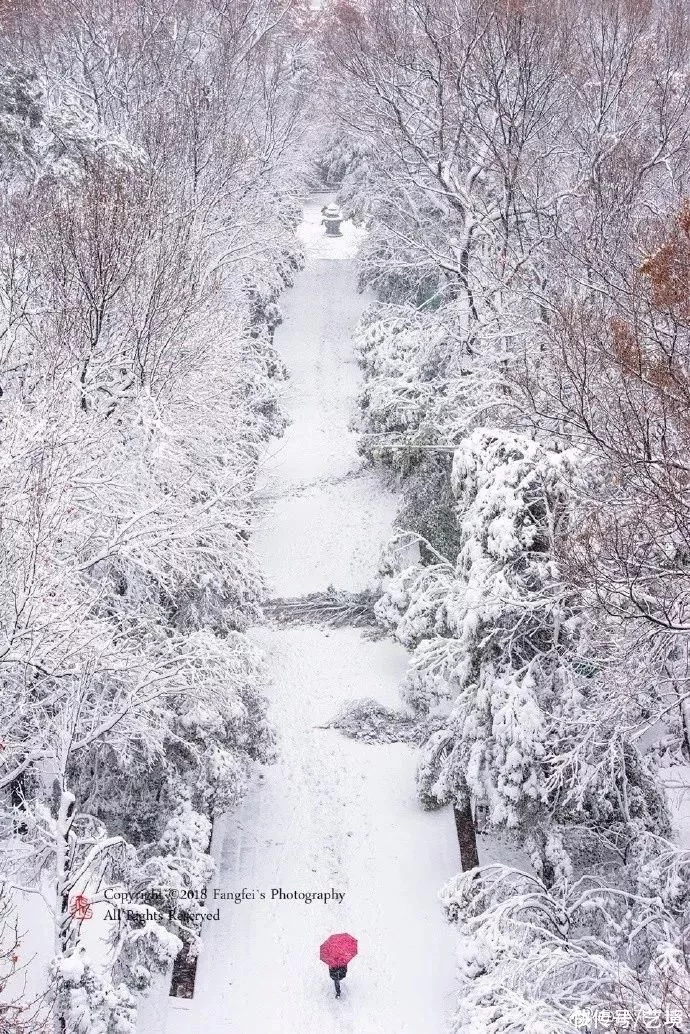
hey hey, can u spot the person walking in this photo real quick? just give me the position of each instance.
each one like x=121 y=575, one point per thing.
x=336 y=951
x=337 y=973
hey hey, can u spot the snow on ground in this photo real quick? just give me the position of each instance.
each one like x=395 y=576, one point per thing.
x=677 y=783
x=332 y=813
x=325 y=516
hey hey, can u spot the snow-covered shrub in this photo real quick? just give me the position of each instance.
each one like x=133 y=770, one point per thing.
x=413 y=602
x=405 y=355
x=429 y=507
x=389 y=262
x=144 y=951
x=412 y=358
x=372 y=722
x=88 y=1002
x=541 y=957
x=337 y=156
x=184 y=847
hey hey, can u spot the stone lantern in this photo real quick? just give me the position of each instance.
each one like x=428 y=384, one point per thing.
x=332 y=218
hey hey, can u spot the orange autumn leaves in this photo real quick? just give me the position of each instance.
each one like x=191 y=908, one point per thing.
x=650 y=342
x=668 y=270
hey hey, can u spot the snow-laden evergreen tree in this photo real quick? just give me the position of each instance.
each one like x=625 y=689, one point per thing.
x=414 y=375
x=503 y=655
x=493 y=633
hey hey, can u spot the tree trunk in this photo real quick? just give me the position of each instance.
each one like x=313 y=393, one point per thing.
x=65 y=818
x=467 y=837
x=18 y=802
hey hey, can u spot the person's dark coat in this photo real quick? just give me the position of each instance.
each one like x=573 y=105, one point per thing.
x=337 y=973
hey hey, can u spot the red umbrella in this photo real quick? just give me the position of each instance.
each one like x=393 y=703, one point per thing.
x=338 y=949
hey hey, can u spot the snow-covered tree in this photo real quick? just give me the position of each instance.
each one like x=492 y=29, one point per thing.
x=140 y=265
x=522 y=170
x=502 y=647
x=540 y=958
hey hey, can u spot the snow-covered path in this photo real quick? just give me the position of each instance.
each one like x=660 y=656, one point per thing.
x=331 y=814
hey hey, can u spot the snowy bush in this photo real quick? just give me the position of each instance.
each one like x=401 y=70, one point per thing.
x=336 y=158
x=536 y=955
x=405 y=355
x=372 y=722
x=144 y=951
x=89 y=1003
